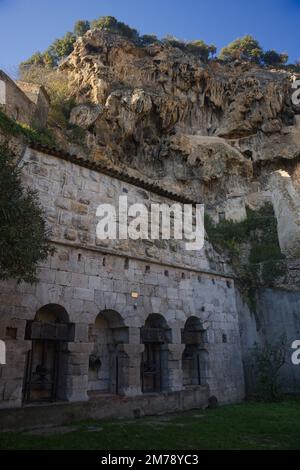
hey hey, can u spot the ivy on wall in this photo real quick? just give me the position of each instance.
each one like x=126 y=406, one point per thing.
x=9 y=127
x=252 y=248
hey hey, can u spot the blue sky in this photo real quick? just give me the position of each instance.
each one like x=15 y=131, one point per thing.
x=30 y=25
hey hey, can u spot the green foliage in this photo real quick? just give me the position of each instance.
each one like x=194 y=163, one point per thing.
x=61 y=48
x=64 y=46
x=76 y=134
x=57 y=51
x=111 y=24
x=10 y=127
x=292 y=67
x=38 y=59
x=248 y=49
x=81 y=27
x=261 y=252
x=201 y=49
x=245 y=48
x=243 y=426
x=262 y=220
x=58 y=88
x=60 y=111
x=198 y=48
x=272 y=269
x=266 y=362
x=263 y=261
x=148 y=39
x=171 y=40
x=23 y=235
x=274 y=58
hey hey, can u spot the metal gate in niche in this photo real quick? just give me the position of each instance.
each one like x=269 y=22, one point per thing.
x=155 y=335
x=46 y=364
x=195 y=355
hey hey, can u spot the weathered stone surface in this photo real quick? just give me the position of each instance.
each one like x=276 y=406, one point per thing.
x=247 y=106
x=286 y=203
x=85 y=281
x=85 y=115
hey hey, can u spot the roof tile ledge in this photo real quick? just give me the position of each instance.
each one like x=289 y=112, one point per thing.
x=112 y=172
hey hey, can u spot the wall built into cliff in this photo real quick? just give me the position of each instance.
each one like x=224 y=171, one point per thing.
x=277 y=317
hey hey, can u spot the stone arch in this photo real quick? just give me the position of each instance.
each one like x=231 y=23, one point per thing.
x=54 y=313
x=155 y=335
x=107 y=359
x=156 y=320
x=47 y=360
x=195 y=356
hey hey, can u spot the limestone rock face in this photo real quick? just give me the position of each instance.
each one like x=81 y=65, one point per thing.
x=286 y=203
x=214 y=155
x=214 y=132
x=85 y=115
x=146 y=95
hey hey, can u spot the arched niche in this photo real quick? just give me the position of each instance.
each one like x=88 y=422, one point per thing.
x=106 y=361
x=195 y=356
x=47 y=360
x=155 y=335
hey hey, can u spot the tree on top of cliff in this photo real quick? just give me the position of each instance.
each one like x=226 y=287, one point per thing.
x=246 y=48
x=23 y=234
x=274 y=58
x=198 y=48
x=249 y=49
x=111 y=24
x=81 y=27
x=58 y=50
x=62 y=47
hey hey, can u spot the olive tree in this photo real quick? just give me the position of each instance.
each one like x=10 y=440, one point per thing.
x=23 y=233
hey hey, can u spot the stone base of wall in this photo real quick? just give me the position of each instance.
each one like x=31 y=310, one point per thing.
x=100 y=407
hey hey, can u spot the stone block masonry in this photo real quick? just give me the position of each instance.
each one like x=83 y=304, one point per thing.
x=24 y=102
x=109 y=318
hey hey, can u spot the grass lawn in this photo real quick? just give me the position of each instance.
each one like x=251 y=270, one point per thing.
x=243 y=426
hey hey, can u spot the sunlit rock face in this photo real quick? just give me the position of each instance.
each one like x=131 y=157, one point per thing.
x=211 y=131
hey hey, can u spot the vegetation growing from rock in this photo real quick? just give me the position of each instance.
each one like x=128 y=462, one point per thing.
x=81 y=27
x=111 y=24
x=58 y=88
x=274 y=58
x=62 y=47
x=248 y=49
x=23 y=234
x=197 y=48
x=266 y=361
x=252 y=246
x=9 y=127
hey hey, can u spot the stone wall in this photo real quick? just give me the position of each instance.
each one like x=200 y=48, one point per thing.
x=14 y=102
x=71 y=194
x=24 y=102
x=128 y=280
x=38 y=95
x=277 y=316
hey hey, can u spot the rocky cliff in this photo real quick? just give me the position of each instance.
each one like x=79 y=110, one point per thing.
x=162 y=112
x=227 y=135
